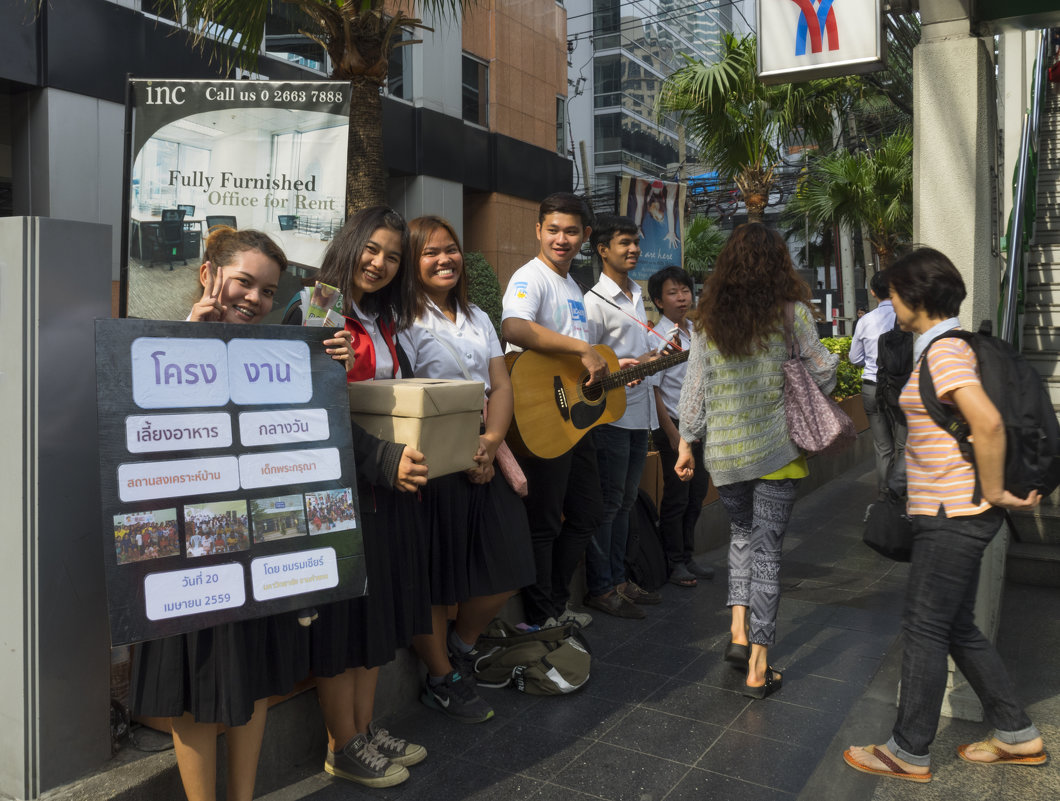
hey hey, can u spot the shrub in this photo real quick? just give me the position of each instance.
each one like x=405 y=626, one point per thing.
x=483 y=288
x=848 y=376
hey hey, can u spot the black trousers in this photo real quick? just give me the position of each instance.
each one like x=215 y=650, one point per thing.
x=681 y=501
x=564 y=507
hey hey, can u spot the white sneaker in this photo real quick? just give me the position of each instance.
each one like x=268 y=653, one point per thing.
x=581 y=619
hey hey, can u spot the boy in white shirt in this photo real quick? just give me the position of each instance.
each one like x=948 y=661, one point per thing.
x=544 y=311
x=670 y=290
x=616 y=313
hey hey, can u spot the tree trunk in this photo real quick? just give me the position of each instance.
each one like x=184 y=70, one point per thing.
x=366 y=173
x=756 y=207
x=754 y=185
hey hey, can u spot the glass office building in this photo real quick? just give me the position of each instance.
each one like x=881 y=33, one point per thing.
x=620 y=53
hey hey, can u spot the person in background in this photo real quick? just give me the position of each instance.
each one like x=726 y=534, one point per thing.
x=950 y=532
x=618 y=320
x=352 y=639
x=681 y=503
x=480 y=553
x=733 y=400
x=220 y=678
x=888 y=435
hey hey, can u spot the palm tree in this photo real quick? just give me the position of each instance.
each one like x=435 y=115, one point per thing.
x=872 y=188
x=703 y=241
x=359 y=36
x=741 y=124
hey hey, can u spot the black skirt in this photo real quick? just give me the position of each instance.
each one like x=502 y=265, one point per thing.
x=367 y=631
x=479 y=539
x=218 y=673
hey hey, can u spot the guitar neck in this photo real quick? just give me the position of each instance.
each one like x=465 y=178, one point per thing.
x=620 y=378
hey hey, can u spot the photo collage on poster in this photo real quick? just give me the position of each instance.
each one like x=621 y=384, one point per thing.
x=217 y=527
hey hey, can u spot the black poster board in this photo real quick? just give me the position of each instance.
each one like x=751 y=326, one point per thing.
x=227 y=475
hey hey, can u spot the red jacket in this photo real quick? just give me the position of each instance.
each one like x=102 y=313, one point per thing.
x=364 y=351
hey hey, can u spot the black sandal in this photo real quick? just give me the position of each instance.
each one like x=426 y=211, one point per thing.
x=737 y=655
x=771 y=686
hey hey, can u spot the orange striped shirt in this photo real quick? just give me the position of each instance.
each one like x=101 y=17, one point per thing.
x=937 y=473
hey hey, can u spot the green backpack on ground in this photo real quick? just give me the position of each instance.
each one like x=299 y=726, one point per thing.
x=549 y=661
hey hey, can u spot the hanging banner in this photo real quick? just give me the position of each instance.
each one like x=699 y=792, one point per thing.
x=800 y=40
x=658 y=208
x=227 y=478
x=268 y=155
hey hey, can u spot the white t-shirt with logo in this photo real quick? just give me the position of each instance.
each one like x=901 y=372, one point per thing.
x=540 y=295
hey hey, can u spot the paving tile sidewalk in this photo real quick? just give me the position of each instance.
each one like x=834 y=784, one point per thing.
x=662 y=716
x=1029 y=641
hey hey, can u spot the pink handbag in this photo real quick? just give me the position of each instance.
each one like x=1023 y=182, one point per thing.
x=505 y=461
x=815 y=422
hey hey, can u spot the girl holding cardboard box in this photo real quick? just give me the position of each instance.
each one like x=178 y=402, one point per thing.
x=351 y=639
x=480 y=552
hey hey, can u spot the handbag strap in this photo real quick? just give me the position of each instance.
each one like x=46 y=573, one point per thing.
x=794 y=350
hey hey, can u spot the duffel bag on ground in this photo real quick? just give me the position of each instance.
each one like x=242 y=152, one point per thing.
x=549 y=661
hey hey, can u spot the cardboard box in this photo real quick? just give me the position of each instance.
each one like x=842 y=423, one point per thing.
x=441 y=418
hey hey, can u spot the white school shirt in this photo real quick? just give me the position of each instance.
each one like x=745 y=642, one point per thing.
x=610 y=326
x=384 y=362
x=538 y=294
x=472 y=337
x=670 y=380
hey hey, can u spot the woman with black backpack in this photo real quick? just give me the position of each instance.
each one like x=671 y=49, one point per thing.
x=952 y=527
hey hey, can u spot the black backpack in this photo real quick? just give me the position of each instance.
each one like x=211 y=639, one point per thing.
x=1032 y=432
x=894 y=365
x=645 y=555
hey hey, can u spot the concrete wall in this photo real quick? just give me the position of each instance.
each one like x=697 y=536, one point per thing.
x=54 y=638
x=67 y=153
x=954 y=148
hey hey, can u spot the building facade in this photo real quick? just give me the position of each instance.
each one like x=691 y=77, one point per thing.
x=470 y=116
x=621 y=52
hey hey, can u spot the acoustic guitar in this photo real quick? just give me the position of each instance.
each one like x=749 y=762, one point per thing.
x=553 y=407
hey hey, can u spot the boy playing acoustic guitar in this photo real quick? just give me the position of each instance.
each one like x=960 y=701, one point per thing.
x=617 y=318
x=544 y=311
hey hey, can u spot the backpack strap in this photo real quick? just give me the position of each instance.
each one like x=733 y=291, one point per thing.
x=943 y=414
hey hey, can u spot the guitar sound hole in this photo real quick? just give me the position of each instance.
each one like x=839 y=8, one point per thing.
x=591 y=393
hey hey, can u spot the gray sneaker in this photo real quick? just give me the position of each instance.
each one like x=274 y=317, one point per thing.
x=456 y=697
x=360 y=762
x=583 y=619
x=396 y=749
x=464 y=663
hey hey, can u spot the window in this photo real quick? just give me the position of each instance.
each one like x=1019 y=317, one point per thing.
x=607 y=22
x=399 y=68
x=607 y=141
x=561 y=126
x=475 y=90
x=607 y=81
x=162 y=9
x=283 y=39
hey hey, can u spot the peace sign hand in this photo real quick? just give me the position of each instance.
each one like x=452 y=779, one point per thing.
x=209 y=308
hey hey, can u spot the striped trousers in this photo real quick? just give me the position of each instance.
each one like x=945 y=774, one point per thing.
x=758 y=515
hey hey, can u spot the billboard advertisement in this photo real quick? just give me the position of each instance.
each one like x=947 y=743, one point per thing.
x=268 y=155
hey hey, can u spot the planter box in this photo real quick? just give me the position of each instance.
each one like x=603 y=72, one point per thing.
x=855 y=409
